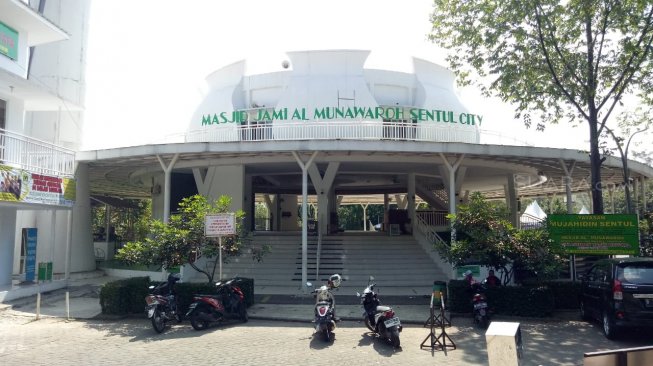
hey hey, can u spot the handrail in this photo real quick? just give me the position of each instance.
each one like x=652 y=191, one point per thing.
x=24 y=152
x=429 y=231
x=318 y=255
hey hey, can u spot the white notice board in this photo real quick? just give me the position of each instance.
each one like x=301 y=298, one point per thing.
x=220 y=224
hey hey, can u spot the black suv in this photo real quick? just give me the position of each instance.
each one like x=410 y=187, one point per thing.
x=618 y=292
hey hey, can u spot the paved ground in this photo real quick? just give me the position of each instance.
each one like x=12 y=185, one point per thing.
x=288 y=340
x=130 y=341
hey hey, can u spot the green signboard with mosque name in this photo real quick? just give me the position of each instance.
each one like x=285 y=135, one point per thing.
x=615 y=234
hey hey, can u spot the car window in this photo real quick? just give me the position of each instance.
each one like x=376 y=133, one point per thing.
x=639 y=273
x=596 y=273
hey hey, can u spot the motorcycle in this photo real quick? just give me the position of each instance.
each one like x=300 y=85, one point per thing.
x=162 y=303
x=227 y=303
x=479 y=301
x=378 y=318
x=325 y=319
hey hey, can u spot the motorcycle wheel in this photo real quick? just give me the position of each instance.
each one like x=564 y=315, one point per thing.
x=195 y=321
x=394 y=337
x=367 y=323
x=326 y=334
x=242 y=313
x=158 y=323
x=484 y=322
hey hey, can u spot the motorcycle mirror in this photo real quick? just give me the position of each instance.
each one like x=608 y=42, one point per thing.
x=358 y=294
x=308 y=284
x=371 y=278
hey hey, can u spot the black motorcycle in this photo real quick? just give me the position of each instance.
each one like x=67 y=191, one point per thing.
x=227 y=303
x=325 y=307
x=479 y=302
x=378 y=318
x=162 y=303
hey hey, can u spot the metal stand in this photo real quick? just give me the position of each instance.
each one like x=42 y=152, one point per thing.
x=439 y=319
x=439 y=342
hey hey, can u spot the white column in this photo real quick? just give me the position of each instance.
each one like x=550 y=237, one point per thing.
x=167 y=169
x=568 y=181
x=411 y=201
x=82 y=252
x=69 y=244
x=7 y=237
x=451 y=184
x=304 y=168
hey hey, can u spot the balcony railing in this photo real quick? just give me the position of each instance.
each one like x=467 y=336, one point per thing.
x=335 y=130
x=36 y=156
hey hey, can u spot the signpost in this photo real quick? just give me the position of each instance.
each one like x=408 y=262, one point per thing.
x=219 y=225
x=595 y=234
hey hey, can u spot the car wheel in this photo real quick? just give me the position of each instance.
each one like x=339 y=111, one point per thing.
x=609 y=329
x=583 y=311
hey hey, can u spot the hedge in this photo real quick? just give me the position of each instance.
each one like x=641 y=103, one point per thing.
x=534 y=301
x=123 y=297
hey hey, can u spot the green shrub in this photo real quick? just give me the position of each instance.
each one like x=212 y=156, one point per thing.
x=127 y=296
x=124 y=296
x=534 y=301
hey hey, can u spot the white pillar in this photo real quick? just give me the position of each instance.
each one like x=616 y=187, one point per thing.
x=167 y=169
x=568 y=181
x=411 y=201
x=82 y=252
x=7 y=237
x=304 y=168
x=451 y=184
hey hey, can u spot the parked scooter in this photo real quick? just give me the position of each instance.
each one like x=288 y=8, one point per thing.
x=325 y=318
x=378 y=318
x=227 y=303
x=479 y=301
x=162 y=303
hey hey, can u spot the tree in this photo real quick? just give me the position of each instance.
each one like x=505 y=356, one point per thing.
x=573 y=60
x=486 y=237
x=182 y=240
x=627 y=122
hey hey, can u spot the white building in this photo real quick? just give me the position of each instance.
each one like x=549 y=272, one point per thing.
x=323 y=128
x=41 y=98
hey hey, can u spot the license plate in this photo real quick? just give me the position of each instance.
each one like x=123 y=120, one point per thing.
x=150 y=312
x=643 y=296
x=480 y=305
x=391 y=322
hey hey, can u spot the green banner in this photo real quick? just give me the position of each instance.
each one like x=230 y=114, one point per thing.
x=595 y=234
x=8 y=42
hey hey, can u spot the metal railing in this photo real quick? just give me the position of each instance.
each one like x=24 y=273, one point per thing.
x=335 y=130
x=36 y=156
x=433 y=218
x=425 y=224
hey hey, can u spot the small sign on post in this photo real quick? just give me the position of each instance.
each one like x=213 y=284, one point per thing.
x=219 y=225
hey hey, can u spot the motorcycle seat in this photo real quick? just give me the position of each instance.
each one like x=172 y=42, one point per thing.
x=323 y=303
x=381 y=308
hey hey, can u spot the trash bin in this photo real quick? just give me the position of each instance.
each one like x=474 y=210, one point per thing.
x=439 y=293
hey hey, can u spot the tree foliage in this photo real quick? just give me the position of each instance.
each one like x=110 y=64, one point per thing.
x=182 y=240
x=553 y=60
x=485 y=236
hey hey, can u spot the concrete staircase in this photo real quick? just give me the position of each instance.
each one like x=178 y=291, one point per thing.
x=398 y=263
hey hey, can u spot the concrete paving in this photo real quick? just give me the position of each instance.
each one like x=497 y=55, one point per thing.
x=279 y=332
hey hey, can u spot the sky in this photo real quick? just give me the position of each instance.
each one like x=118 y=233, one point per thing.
x=147 y=60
